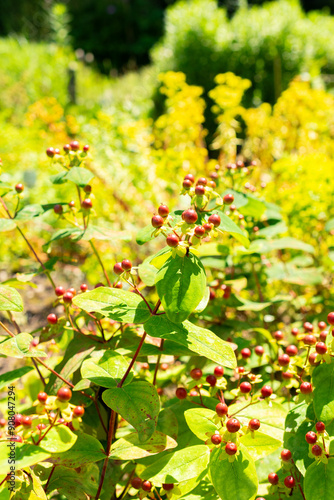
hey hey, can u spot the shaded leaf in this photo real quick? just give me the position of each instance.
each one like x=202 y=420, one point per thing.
x=85 y=449
x=106 y=371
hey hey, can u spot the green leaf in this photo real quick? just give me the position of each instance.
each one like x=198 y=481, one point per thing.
x=180 y=284
x=75 y=484
x=119 y=305
x=80 y=176
x=130 y=448
x=179 y=466
x=235 y=480
x=319 y=481
x=7 y=225
x=274 y=230
x=138 y=403
x=85 y=449
x=246 y=203
x=299 y=421
x=145 y=234
x=29 y=212
x=227 y=225
x=204 y=302
x=106 y=371
x=10 y=299
x=104 y=234
x=25 y=455
x=287 y=243
x=259 y=445
x=58 y=439
x=59 y=178
x=323 y=393
x=74 y=233
x=19 y=347
x=8 y=378
x=197 y=339
x=200 y=422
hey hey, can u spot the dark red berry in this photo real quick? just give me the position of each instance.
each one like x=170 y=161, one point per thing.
x=118 y=284
x=72 y=291
x=126 y=265
x=286 y=455
x=157 y=221
x=58 y=209
x=211 y=380
x=42 y=397
x=136 y=483
x=199 y=231
x=278 y=335
x=71 y=204
x=87 y=189
x=190 y=178
x=60 y=290
x=259 y=350
x=228 y=199
x=199 y=190
x=266 y=391
x=181 y=393
x=168 y=487
x=50 y=152
x=246 y=353
x=231 y=448
x=309 y=339
x=306 y=388
x=202 y=181
x=289 y=482
x=207 y=227
x=221 y=409
x=64 y=394
x=19 y=188
x=2 y=422
x=323 y=335
x=146 y=486
x=216 y=439
x=308 y=327
x=287 y=375
x=295 y=332
x=75 y=146
x=17 y=419
x=233 y=425
x=316 y=450
x=172 y=240
x=312 y=358
x=52 y=319
x=214 y=219
x=273 y=478
x=218 y=371
x=67 y=297
x=26 y=421
x=86 y=148
x=320 y=427
x=78 y=411
x=118 y=269
x=292 y=350
x=283 y=360
x=322 y=325
x=254 y=424
x=187 y=184
x=245 y=387
x=196 y=373
x=163 y=210
x=330 y=318
x=67 y=148
x=190 y=216
x=311 y=437
x=321 y=348
x=87 y=203
x=83 y=287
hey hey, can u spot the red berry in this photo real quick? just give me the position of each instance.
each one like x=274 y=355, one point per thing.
x=196 y=373
x=211 y=380
x=199 y=231
x=214 y=219
x=190 y=178
x=50 y=152
x=287 y=375
x=146 y=486
x=19 y=188
x=245 y=387
x=71 y=204
x=309 y=339
x=88 y=189
x=2 y=422
x=312 y=358
x=118 y=284
x=322 y=325
x=273 y=478
x=233 y=208
x=58 y=209
x=323 y=335
x=86 y=148
x=311 y=437
x=278 y=335
x=308 y=327
x=259 y=350
x=283 y=360
x=52 y=319
x=321 y=348
x=157 y=221
x=216 y=439
x=67 y=297
x=292 y=350
x=187 y=184
x=218 y=371
x=231 y=448
x=26 y=421
x=172 y=240
x=75 y=146
x=306 y=388
x=221 y=409
x=254 y=424
x=190 y=216
x=64 y=394
x=67 y=148
x=61 y=421
x=181 y=393
x=286 y=455
x=163 y=210
x=126 y=265
x=246 y=353
x=233 y=425
x=207 y=227
x=83 y=287
x=212 y=184
x=72 y=291
x=136 y=483
x=214 y=175
x=202 y=181
x=78 y=411
x=320 y=427
x=295 y=332
x=118 y=269
x=241 y=369
x=42 y=397
x=168 y=487
x=289 y=482
x=17 y=419
x=60 y=290
x=316 y=450
x=266 y=391
x=330 y=318
x=87 y=203
x=228 y=199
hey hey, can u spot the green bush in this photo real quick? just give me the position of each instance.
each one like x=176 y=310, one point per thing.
x=268 y=45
